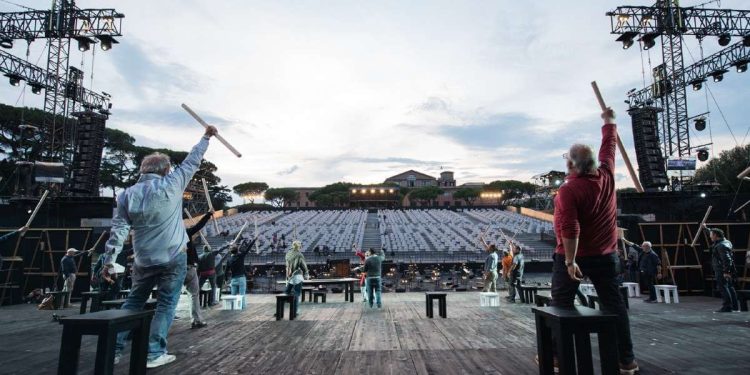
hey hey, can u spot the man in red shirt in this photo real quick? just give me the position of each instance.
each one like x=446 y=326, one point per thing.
x=586 y=230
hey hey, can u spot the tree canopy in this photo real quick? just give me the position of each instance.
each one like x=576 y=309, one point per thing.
x=511 y=188
x=333 y=195
x=725 y=168
x=468 y=195
x=426 y=195
x=249 y=190
x=281 y=197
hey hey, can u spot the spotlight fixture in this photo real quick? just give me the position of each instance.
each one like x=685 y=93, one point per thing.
x=14 y=79
x=84 y=44
x=741 y=66
x=627 y=39
x=746 y=40
x=6 y=43
x=36 y=88
x=649 y=40
x=700 y=124
x=703 y=194
x=106 y=42
x=697 y=84
x=724 y=40
x=703 y=154
x=718 y=75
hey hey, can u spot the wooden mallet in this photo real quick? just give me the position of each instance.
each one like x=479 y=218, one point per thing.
x=205 y=125
x=36 y=209
x=624 y=154
x=210 y=204
x=700 y=227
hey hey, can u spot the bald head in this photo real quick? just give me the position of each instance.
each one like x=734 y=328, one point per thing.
x=581 y=159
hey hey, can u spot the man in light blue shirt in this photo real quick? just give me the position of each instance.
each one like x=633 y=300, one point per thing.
x=152 y=209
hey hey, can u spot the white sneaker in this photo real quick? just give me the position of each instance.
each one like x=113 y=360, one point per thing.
x=161 y=361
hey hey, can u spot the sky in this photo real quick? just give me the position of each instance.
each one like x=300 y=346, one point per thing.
x=315 y=92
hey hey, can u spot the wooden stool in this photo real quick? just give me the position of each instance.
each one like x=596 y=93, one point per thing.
x=106 y=325
x=624 y=292
x=58 y=299
x=669 y=291
x=587 y=289
x=309 y=290
x=528 y=293
x=634 y=290
x=319 y=294
x=442 y=304
x=571 y=329
x=542 y=301
x=95 y=296
x=742 y=297
x=489 y=299
x=281 y=300
x=232 y=302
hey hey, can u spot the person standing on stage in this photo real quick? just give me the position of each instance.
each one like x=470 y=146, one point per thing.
x=650 y=267
x=68 y=269
x=373 y=269
x=490 y=267
x=296 y=273
x=236 y=266
x=722 y=262
x=516 y=274
x=191 y=277
x=152 y=208
x=585 y=224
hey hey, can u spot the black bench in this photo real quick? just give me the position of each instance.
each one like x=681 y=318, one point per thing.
x=542 y=301
x=319 y=294
x=593 y=300
x=528 y=293
x=106 y=325
x=309 y=290
x=117 y=304
x=571 y=329
x=95 y=297
x=442 y=303
x=742 y=297
x=283 y=299
x=58 y=299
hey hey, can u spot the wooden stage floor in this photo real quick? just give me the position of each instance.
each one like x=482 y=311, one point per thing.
x=349 y=338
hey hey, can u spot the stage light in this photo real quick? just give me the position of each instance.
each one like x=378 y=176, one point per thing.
x=14 y=79
x=703 y=195
x=746 y=41
x=627 y=44
x=6 y=43
x=724 y=40
x=623 y=18
x=372 y=191
x=354 y=191
x=382 y=191
x=741 y=66
x=84 y=44
x=106 y=42
x=390 y=191
x=703 y=154
x=700 y=124
x=557 y=182
x=697 y=84
x=718 y=75
x=627 y=39
x=649 y=40
x=36 y=88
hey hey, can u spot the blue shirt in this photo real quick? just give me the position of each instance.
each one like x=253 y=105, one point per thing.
x=152 y=208
x=490 y=264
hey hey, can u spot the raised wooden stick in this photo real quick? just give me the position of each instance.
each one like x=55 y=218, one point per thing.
x=620 y=146
x=97 y=241
x=700 y=228
x=744 y=173
x=36 y=209
x=210 y=205
x=236 y=238
x=205 y=125
x=741 y=207
x=200 y=232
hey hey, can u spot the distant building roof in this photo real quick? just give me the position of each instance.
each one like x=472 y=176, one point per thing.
x=404 y=175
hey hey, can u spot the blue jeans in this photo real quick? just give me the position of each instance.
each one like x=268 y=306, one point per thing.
x=297 y=289
x=238 y=286
x=373 y=285
x=726 y=288
x=168 y=279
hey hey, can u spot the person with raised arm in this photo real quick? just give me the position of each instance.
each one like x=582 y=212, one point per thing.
x=152 y=209
x=191 y=276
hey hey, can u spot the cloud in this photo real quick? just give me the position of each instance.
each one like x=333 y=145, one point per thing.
x=288 y=171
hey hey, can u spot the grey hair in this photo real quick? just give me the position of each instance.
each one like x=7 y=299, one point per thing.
x=646 y=243
x=155 y=163
x=582 y=157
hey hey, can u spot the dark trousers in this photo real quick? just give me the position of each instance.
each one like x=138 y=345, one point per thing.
x=633 y=274
x=603 y=274
x=726 y=288
x=649 y=281
x=211 y=281
x=514 y=285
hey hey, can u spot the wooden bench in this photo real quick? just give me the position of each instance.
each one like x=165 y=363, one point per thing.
x=528 y=293
x=309 y=290
x=96 y=299
x=281 y=301
x=442 y=304
x=742 y=297
x=542 y=301
x=571 y=328
x=106 y=325
x=319 y=294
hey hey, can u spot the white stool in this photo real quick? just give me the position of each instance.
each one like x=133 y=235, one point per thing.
x=587 y=289
x=489 y=299
x=669 y=291
x=233 y=302
x=634 y=289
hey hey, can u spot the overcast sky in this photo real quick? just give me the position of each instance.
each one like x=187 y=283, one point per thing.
x=314 y=92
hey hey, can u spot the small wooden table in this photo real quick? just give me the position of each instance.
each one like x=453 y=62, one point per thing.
x=347 y=282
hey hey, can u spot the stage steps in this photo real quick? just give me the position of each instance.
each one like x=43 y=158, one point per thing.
x=371 y=237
